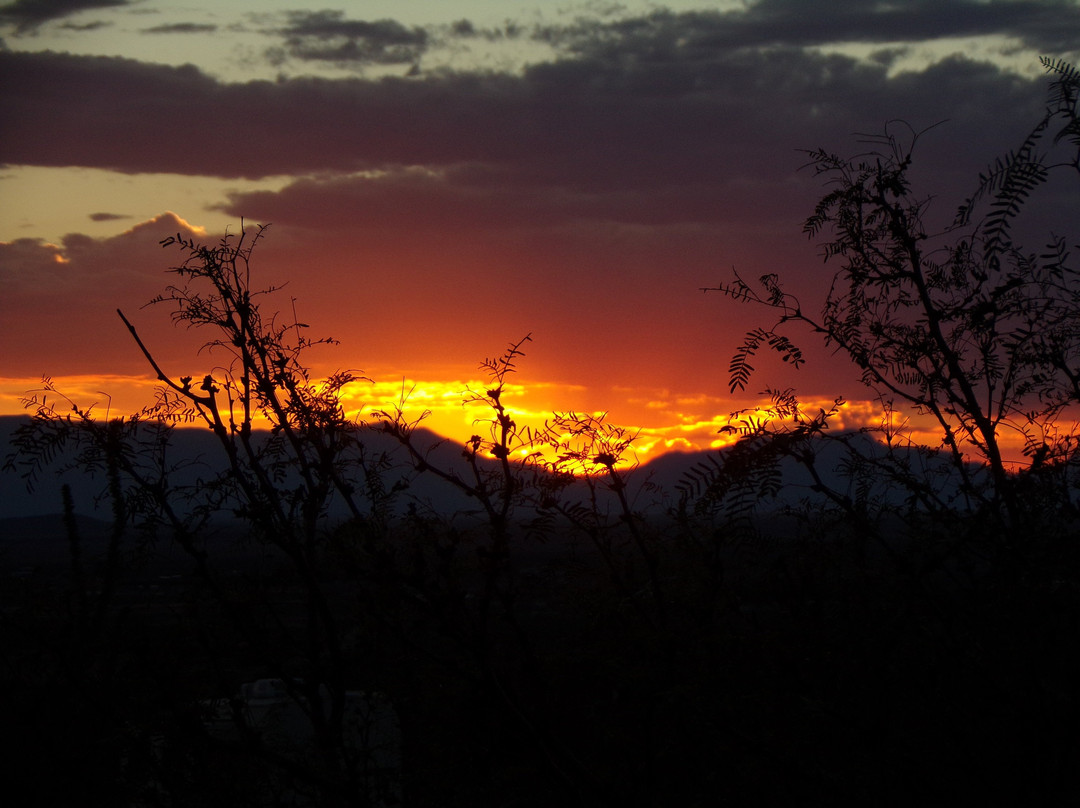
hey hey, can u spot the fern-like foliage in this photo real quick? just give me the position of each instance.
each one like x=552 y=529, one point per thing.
x=732 y=485
x=966 y=327
x=739 y=369
x=1011 y=179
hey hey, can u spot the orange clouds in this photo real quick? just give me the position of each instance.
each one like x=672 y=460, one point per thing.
x=686 y=424
x=652 y=363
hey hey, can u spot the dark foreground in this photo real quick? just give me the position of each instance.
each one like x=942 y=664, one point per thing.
x=813 y=667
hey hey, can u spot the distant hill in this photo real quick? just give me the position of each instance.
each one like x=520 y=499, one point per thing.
x=196 y=446
x=650 y=486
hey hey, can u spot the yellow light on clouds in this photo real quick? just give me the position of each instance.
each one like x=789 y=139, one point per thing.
x=454 y=410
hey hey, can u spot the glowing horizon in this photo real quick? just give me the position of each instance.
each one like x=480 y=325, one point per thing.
x=443 y=408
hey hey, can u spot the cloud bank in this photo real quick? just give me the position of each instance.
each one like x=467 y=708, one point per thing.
x=586 y=195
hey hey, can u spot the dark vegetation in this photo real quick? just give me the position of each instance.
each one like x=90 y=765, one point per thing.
x=910 y=626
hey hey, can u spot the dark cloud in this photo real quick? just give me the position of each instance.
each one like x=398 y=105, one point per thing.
x=107 y=217
x=328 y=36
x=1048 y=25
x=59 y=297
x=586 y=123
x=29 y=14
x=87 y=26
x=463 y=28
x=476 y=199
x=80 y=263
x=181 y=28
x=466 y=29
x=29 y=263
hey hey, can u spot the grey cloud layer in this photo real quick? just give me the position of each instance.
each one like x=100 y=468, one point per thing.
x=1051 y=26
x=28 y=14
x=329 y=36
x=1041 y=24
x=181 y=28
x=586 y=126
x=663 y=118
x=572 y=116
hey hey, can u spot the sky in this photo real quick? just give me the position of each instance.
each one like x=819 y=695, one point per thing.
x=441 y=179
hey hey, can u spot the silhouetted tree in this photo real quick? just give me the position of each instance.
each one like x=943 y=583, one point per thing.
x=286 y=452
x=965 y=325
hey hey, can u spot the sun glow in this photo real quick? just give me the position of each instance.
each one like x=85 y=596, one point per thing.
x=547 y=426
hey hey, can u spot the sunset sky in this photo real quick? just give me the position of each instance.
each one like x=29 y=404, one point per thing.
x=443 y=178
